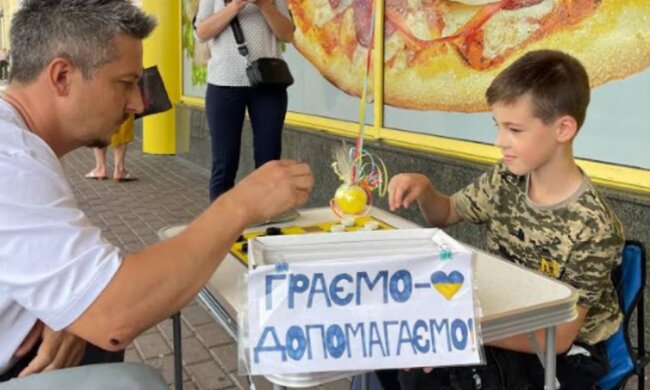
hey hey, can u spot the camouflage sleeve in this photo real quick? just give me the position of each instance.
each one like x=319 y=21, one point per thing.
x=589 y=267
x=473 y=202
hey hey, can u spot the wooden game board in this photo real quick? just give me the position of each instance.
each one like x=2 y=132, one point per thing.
x=237 y=249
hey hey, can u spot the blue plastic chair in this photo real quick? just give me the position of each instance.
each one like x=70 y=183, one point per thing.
x=624 y=359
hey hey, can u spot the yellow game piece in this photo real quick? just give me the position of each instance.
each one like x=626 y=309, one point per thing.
x=351 y=199
x=371 y=225
x=359 y=223
x=336 y=228
x=347 y=220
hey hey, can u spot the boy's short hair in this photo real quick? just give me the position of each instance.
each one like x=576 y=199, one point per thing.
x=557 y=83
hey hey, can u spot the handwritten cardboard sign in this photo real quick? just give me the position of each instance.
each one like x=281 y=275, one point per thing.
x=370 y=313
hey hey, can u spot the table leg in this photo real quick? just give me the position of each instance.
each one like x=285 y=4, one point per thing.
x=178 y=352
x=549 y=378
x=365 y=381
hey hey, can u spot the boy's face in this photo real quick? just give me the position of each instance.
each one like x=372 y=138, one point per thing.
x=527 y=143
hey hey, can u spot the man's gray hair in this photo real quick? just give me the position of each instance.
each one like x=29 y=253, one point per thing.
x=78 y=30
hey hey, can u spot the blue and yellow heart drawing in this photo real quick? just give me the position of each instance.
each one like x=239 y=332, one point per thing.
x=447 y=285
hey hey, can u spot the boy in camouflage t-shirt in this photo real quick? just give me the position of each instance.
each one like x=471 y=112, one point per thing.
x=578 y=240
x=542 y=212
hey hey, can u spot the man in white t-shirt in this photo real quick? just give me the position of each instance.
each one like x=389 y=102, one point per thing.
x=74 y=80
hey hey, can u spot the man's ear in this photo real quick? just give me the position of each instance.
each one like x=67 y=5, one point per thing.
x=566 y=128
x=60 y=75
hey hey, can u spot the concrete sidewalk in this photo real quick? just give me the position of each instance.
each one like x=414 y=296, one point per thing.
x=169 y=191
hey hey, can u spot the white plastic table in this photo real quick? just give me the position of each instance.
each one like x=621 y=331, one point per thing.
x=514 y=300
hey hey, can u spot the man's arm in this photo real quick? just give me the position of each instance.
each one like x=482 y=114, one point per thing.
x=157 y=282
x=57 y=350
x=565 y=335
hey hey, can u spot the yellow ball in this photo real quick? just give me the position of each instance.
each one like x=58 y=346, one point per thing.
x=351 y=199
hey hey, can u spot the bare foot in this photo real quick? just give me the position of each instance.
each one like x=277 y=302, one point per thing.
x=124 y=176
x=96 y=174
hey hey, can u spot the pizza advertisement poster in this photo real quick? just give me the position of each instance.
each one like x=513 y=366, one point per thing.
x=193 y=52
x=386 y=311
x=442 y=54
x=439 y=57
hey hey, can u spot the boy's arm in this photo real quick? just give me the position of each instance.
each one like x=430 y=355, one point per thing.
x=472 y=203
x=565 y=335
x=437 y=208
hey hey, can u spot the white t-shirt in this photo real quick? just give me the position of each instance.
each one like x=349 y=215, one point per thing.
x=53 y=262
x=226 y=66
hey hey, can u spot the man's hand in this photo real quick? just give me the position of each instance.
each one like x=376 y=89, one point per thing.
x=405 y=188
x=274 y=188
x=30 y=341
x=57 y=350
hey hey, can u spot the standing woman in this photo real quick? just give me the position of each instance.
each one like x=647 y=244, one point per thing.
x=264 y=23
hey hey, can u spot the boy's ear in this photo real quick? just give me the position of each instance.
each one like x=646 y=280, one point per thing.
x=566 y=129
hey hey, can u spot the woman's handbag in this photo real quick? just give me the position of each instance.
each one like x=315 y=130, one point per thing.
x=154 y=94
x=263 y=72
x=269 y=72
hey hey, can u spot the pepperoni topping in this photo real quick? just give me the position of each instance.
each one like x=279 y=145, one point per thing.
x=468 y=39
x=395 y=7
x=516 y=4
x=362 y=12
x=389 y=29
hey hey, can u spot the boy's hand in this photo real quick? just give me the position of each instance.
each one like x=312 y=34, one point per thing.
x=405 y=188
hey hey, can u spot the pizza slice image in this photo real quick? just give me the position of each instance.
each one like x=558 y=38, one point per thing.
x=442 y=54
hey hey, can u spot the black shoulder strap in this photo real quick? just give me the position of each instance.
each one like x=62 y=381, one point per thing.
x=239 y=34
